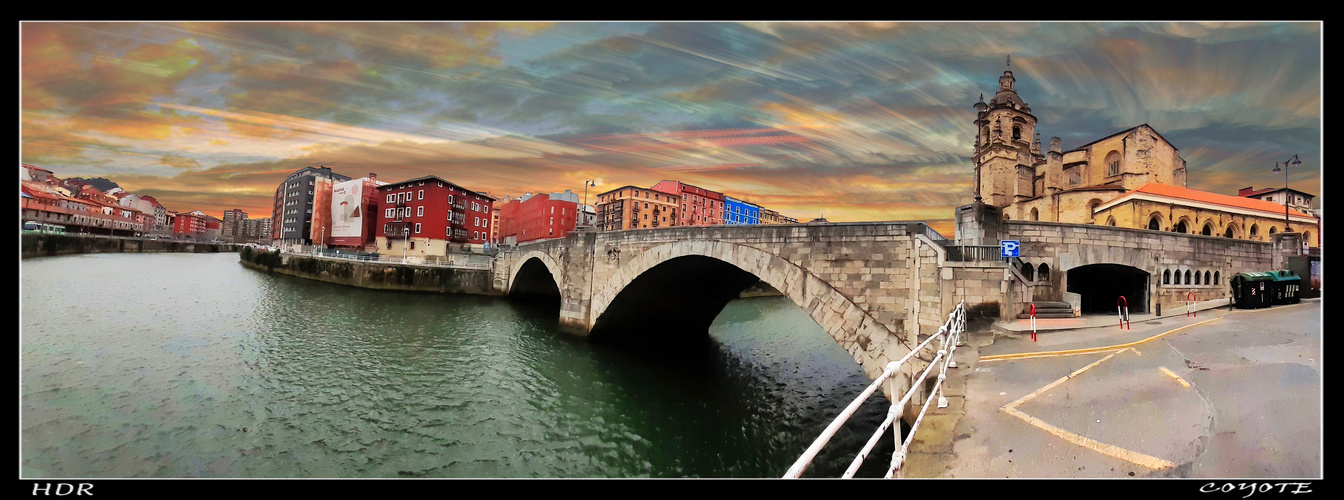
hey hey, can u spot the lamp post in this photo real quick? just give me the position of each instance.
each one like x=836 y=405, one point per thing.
x=1294 y=162
x=583 y=209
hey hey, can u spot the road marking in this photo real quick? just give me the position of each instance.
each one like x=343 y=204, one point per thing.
x=1091 y=444
x=1089 y=350
x=1175 y=376
x=1133 y=457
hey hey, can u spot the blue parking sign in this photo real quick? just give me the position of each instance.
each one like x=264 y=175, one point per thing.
x=1010 y=248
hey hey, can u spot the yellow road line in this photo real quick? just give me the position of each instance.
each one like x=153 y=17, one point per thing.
x=1089 y=350
x=1052 y=385
x=1133 y=457
x=1175 y=376
x=1091 y=444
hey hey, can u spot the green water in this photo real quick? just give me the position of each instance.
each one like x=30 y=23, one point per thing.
x=189 y=365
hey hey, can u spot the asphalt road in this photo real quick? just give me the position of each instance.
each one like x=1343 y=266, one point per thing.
x=1226 y=395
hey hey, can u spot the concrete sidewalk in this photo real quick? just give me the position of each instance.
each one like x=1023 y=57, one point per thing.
x=1099 y=320
x=931 y=453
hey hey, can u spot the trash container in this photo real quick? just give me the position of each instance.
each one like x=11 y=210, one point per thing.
x=1253 y=290
x=1287 y=287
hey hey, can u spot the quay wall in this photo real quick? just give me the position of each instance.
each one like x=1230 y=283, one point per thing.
x=372 y=275
x=49 y=245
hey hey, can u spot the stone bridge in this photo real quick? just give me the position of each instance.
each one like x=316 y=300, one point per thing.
x=876 y=288
x=856 y=280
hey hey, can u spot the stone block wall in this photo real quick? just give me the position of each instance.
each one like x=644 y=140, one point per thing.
x=1067 y=246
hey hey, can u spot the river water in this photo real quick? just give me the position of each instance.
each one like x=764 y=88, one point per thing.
x=190 y=365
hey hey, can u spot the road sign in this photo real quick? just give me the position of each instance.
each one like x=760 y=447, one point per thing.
x=1010 y=248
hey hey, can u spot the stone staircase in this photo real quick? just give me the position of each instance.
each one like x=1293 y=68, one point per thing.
x=1050 y=310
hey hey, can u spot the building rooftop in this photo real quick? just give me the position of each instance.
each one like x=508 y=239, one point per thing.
x=1164 y=190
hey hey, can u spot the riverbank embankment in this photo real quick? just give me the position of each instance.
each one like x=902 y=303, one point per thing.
x=49 y=245
x=372 y=275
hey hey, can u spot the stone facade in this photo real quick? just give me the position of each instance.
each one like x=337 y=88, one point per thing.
x=1064 y=247
x=876 y=288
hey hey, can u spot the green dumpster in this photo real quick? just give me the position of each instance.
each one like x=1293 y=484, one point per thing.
x=1253 y=290
x=1287 y=287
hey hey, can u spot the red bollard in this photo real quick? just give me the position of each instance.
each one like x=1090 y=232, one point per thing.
x=1190 y=306
x=1122 y=307
x=1033 y=322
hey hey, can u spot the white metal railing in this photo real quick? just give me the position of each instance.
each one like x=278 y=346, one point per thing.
x=949 y=335
x=462 y=261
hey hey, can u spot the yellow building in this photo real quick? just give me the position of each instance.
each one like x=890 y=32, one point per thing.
x=1133 y=178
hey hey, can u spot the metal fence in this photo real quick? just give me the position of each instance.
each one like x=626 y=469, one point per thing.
x=463 y=261
x=949 y=335
x=973 y=253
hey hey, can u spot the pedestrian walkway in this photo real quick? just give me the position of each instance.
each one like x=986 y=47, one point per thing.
x=932 y=452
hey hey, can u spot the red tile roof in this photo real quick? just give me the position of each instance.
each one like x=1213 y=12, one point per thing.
x=1214 y=198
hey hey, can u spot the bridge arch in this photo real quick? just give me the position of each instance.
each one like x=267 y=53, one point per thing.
x=523 y=262
x=727 y=268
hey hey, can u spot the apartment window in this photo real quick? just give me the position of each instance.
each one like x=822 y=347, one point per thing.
x=420 y=195
x=389 y=199
x=477 y=223
x=417 y=228
x=552 y=210
x=475 y=235
x=420 y=211
x=388 y=213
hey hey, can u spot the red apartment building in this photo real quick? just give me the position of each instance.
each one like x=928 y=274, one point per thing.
x=429 y=216
x=536 y=217
x=699 y=206
x=192 y=225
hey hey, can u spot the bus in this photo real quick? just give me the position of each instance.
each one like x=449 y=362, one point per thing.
x=43 y=228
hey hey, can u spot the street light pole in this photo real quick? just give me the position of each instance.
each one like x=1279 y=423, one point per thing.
x=1295 y=162
x=583 y=209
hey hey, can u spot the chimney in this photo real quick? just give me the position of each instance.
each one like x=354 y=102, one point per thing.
x=1245 y=191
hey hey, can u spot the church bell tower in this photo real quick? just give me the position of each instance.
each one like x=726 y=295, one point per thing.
x=1007 y=147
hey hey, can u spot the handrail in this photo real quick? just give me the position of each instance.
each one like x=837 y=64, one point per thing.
x=949 y=335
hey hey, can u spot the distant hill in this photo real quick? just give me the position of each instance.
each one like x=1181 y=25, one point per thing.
x=99 y=183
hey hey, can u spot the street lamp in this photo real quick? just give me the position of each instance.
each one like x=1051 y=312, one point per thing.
x=1295 y=162
x=583 y=209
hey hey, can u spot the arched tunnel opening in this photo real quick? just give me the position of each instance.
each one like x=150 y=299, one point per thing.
x=1101 y=286
x=672 y=303
x=534 y=285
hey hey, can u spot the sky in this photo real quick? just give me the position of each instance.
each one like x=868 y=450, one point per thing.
x=851 y=121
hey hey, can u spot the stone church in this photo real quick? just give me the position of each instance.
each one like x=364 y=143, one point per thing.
x=1133 y=178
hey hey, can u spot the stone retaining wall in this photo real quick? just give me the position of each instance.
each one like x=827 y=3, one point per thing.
x=47 y=245
x=372 y=275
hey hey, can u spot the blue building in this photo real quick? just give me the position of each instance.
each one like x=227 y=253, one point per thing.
x=736 y=211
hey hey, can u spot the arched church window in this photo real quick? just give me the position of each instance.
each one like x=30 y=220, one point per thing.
x=1255 y=231
x=1208 y=230
x=1027 y=271
x=1166 y=277
x=1306 y=235
x=1155 y=224
x=1206 y=278
x=1110 y=221
x=1113 y=163
x=1035 y=215
x=1229 y=233
x=1215 y=277
x=1187 y=276
x=1179 y=227
x=1043 y=273
x=1177 y=278
x=1017 y=133
x=1196 y=277
x=1273 y=229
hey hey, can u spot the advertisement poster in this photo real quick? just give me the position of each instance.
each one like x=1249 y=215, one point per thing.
x=347 y=200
